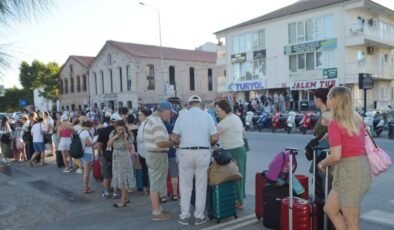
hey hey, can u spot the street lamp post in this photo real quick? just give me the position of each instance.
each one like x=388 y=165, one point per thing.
x=161 y=49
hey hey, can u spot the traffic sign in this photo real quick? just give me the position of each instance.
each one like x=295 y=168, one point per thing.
x=22 y=103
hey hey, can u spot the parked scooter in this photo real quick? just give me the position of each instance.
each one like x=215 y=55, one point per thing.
x=263 y=120
x=249 y=120
x=391 y=123
x=374 y=123
x=279 y=121
x=306 y=122
x=291 y=121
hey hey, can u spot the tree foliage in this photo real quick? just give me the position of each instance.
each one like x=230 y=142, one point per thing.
x=10 y=101
x=40 y=75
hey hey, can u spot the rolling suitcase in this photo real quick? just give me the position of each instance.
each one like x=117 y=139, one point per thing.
x=97 y=173
x=259 y=198
x=273 y=195
x=297 y=213
x=222 y=201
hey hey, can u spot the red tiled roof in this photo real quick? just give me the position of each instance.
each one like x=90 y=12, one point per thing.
x=168 y=53
x=83 y=60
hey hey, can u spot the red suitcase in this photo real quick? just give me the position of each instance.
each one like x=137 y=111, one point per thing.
x=259 y=202
x=97 y=174
x=169 y=186
x=297 y=213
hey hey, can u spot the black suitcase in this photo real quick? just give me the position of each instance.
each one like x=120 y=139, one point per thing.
x=272 y=202
x=59 y=159
x=222 y=201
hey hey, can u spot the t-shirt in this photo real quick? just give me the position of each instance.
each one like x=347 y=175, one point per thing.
x=49 y=123
x=85 y=137
x=37 y=132
x=232 y=136
x=140 y=140
x=351 y=145
x=154 y=132
x=103 y=136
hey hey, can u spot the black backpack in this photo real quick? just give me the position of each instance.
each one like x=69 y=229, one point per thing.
x=76 y=148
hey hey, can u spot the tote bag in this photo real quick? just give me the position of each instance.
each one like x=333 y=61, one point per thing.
x=378 y=159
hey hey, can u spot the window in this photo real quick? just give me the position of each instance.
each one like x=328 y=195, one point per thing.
x=109 y=59
x=84 y=83
x=360 y=56
x=120 y=104
x=95 y=82
x=310 y=61
x=150 y=76
x=292 y=33
x=293 y=63
x=102 y=81
x=191 y=78
x=310 y=29
x=171 y=71
x=95 y=105
x=210 y=86
x=111 y=83
x=301 y=61
x=78 y=84
x=300 y=31
x=71 y=69
x=120 y=79
x=259 y=68
x=60 y=86
x=129 y=105
x=236 y=44
x=72 y=85
x=65 y=86
x=319 y=60
x=384 y=92
x=129 y=74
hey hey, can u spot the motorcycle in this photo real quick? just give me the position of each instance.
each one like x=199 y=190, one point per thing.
x=374 y=123
x=249 y=120
x=306 y=122
x=263 y=121
x=291 y=121
x=391 y=123
x=279 y=121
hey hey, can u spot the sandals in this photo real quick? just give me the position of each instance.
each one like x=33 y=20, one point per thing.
x=120 y=206
x=88 y=191
x=174 y=197
x=163 y=199
x=146 y=193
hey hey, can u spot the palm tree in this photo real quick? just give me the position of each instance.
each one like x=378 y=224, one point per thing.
x=18 y=11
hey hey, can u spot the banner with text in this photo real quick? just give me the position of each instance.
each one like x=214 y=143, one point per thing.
x=312 y=84
x=246 y=85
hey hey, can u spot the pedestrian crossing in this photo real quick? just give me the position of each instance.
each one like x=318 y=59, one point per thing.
x=380 y=216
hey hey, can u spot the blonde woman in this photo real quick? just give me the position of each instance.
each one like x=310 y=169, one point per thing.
x=352 y=172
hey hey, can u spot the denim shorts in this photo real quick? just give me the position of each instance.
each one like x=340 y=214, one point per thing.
x=87 y=158
x=38 y=147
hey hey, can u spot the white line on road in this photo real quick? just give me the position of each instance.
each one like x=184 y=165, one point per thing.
x=243 y=224
x=379 y=216
x=232 y=222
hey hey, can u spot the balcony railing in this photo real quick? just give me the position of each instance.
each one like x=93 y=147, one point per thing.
x=374 y=32
x=385 y=71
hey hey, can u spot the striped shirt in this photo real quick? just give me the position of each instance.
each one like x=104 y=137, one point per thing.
x=155 y=131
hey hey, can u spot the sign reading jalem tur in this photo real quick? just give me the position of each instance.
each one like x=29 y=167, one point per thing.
x=327 y=44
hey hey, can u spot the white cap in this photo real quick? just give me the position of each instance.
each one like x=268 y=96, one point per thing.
x=64 y=118
x=194 y=98
x=115 y=117
x=107 y=114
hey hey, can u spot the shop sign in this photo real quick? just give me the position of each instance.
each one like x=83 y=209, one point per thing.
x=246 y=85
x=109 y=96
x=327 y=44
x=330 y=73
x=365 y=81
x=313 y=84
x=259 y=54
x=236 y=58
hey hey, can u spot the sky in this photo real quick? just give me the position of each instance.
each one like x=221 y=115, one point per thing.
x=81 y=27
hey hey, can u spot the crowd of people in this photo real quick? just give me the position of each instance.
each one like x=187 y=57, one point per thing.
x=179 y=145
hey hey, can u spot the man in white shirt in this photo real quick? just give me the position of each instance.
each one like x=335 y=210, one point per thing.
x=195 y=132
x=37 y=131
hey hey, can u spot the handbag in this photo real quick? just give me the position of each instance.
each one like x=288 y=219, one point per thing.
x=6 y=138
x=378 y=159
x=310 y=147
x=108 y=154
x=218 y=174
x=221 y=156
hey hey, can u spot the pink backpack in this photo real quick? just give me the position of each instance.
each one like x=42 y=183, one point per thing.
x=279 y=166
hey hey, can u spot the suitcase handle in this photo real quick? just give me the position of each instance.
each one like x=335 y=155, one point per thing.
x=292 y=153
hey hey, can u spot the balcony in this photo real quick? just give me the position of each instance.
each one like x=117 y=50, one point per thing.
x=378 y=71
x=366 y=34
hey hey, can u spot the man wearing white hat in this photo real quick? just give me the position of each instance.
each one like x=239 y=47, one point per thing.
x=195 y=132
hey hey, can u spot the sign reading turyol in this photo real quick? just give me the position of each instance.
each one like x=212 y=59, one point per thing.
x=313 y=84
x=311 y=46
x=246 y=85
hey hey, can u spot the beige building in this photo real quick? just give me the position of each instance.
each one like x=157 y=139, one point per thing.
x=311 y=44
x=74 y=83
x=127 y=74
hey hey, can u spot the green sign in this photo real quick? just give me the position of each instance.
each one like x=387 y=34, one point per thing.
x=327 y=44
x=236 y=58
x=330 y=73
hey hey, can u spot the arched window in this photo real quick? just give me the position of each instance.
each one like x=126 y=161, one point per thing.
x=171 y=71
x=66 y=86
x=129 y=77
x=60 y=86
x=78 y=84
x=111 y=83
x=191 y=79
x=71 y=85
x=150 y=76
x=102 y=81
x=210 y=82
x=120 y=79
x=95 y=82
x=84 y=83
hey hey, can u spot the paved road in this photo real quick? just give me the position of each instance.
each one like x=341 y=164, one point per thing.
x=45 y=198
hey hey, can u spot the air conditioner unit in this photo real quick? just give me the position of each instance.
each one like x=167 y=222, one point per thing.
x=371 y=50
x=373 y=22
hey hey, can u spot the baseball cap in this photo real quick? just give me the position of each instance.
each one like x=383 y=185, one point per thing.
x=194 y=98
x=64 y=118
x=165 y=105
x=115 y=117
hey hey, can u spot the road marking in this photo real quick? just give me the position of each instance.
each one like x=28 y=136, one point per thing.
x=379 y=216
x=232 y=222
x=244 y=224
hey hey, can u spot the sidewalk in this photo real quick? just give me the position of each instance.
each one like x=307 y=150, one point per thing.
x=46 y=198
